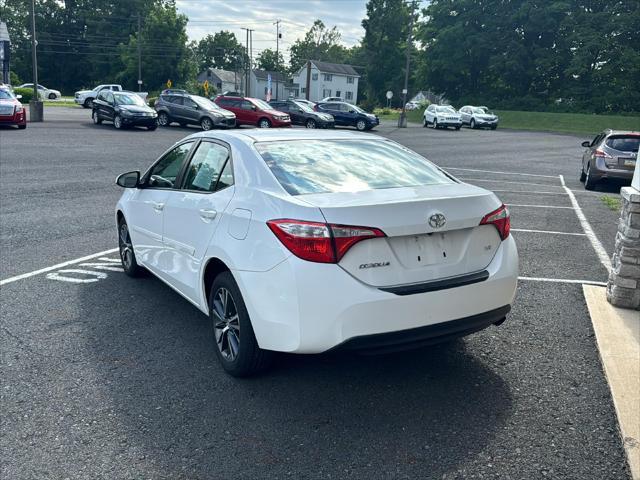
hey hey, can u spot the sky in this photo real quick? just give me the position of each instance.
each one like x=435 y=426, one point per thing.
x=210 y=16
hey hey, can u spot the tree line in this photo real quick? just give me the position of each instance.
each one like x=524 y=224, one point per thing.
x=564 y=55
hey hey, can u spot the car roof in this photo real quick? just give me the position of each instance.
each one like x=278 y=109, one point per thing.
x=610 y=131
x=253 y=135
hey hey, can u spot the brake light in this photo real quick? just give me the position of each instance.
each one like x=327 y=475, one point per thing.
x=320 y=242
x=500 y=219
x=602 y=154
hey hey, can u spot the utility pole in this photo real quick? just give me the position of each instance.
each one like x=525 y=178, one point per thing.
x=248 y=60
x=251 y=55
x=402 y=121
x=36 y=109
x=139 y=56
x=277 y=24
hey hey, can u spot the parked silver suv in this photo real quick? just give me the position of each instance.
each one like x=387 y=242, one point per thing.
x=188 y=109
x=612 y=154
x=477 y=117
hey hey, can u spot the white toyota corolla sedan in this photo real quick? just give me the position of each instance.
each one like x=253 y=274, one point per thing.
x=304 y=241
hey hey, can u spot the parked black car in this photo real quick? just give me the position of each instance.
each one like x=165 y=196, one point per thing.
x=124 y=109
x=192 y=110
x=302 y=114
x=349 y=115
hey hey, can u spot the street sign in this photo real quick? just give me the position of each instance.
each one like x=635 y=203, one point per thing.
x=169 y=83
x=404 y=91
x=139 y=82
x=389 y=95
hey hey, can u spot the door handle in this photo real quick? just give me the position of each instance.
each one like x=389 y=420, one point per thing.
x=208 y=214
x=158 y=206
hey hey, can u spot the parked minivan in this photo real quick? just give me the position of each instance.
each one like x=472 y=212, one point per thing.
x=253 y=111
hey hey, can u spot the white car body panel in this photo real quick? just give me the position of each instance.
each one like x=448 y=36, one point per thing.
x=449 y=118
x=305 y=307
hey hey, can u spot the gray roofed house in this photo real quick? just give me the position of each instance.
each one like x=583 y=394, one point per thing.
x=222 y=80
x=338 y=68
x=328 y=80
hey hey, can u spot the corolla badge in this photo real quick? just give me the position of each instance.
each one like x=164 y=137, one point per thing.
x=437 y=220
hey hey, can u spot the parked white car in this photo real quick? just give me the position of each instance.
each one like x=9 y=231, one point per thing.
x=86 y=97
x=441 y=116
x=478 y=117
x=303 y=242
x=43 y=92
x=332 y=99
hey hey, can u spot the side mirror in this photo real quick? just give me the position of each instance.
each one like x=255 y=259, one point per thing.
x=586 y=143
x=254 y=108
x=352 y=111
x=129 y=179
x=18 y=97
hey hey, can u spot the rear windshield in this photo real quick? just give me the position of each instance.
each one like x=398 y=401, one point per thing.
x=624 y=144
x=314 y=166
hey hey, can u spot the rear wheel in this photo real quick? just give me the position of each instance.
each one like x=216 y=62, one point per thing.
x=235 y=343
x=206 y=124
x=589 y=181
x=152 y=127
x=163 y=119
x=52 y=96
x=310 y=123
x=96 y=119
x=583 y=177
x=88 y=103
x=264 y=123
x=127 y=256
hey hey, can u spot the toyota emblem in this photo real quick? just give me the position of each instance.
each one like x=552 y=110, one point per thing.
x=437 y=220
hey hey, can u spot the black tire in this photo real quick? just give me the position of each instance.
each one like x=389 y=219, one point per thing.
x=425 y=124
x=88 y=103
x=206 y=124
x=163 y=119
x=589 y=182
x=435 y=124
x=472 y=124
x=493 y=127
x=117 y=122
x=151 y=128
x=21 y=127
x=361 y=125
x=127 y=255
x=96 y=119
x=311 y=123
x=264 y=123
x=52 y=96
x=583 y=177
x=234 y=341
x=458 y=128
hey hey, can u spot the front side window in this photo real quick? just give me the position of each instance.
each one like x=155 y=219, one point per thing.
x=205 y=168
x=305 y=167
x=164 y=173
x=109 y=97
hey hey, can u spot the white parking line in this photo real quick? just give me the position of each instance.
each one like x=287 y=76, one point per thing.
x=563 y=280
x=586 y=226
x=535 y=192
x=55 y=267
x=500 y=173
x=467 y=179
x=548 y=231
x=536 y=206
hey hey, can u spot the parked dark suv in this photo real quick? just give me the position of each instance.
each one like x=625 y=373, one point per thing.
x=302 y=114
x=349 y=115
x=192 y=110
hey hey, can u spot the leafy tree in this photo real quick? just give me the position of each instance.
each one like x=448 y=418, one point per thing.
x=221 y=50
x=270 y=60
x=319 y=43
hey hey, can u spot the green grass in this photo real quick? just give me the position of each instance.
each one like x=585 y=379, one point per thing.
x=63 y=102
x=614 y=203
x=578 y=123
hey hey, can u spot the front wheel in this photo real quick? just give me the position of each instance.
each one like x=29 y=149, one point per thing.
x=493 y=127
x=235 y=343
x=88 y=103
x=127 y=255
x=151 y=128
x=425 y=124
x=206 y=124
x=310 y=123
x=22 y=127
x=117 y=122
x=473 y=123
x=163 y=119
x=52 y=96
x=96 y=119
x=361 y=125
x=264 y=123
x=435 y=123
x=458 y=128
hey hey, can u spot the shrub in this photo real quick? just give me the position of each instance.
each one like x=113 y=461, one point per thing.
x=13 y=78
x=27 y=94
x=151 y=101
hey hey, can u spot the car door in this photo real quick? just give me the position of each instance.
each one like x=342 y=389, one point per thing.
x=429 y=113
x=108 y=107
x=334 y=109
x=249 y=112
x=190 y=111
x=464 y=115
x=351 y=117
x=193 y=213
x=145 y=211
x=590 y=150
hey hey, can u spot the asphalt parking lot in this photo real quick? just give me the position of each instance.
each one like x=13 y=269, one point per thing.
x=104 y=376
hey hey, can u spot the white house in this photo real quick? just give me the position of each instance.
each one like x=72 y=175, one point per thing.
x=260 y=81
x=328 y=80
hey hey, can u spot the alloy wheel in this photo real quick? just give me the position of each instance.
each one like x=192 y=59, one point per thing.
x=126 y=248
x=163 y=119
x=361 y=125
x=206 y=124
x=117 y=122
x=264 y=123
x=226 y=324
x=310 y=124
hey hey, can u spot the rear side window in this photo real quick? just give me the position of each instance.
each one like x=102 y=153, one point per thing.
x=303 y=166
x=624 y=143
x=207 y=164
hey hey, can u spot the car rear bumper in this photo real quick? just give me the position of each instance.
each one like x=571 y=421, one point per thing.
x=305 y=307
x=603 y=172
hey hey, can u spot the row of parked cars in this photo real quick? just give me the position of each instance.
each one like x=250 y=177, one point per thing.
x=123 y=108
x=445 y=116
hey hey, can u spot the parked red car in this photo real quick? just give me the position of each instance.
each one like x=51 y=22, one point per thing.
x=11 y=110
x=253 y=111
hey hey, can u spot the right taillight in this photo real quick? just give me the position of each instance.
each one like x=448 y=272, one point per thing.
x=500 y=219
x=320 y=242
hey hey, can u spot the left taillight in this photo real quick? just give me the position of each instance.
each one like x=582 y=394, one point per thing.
x=500 y=219
x=320 y=242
